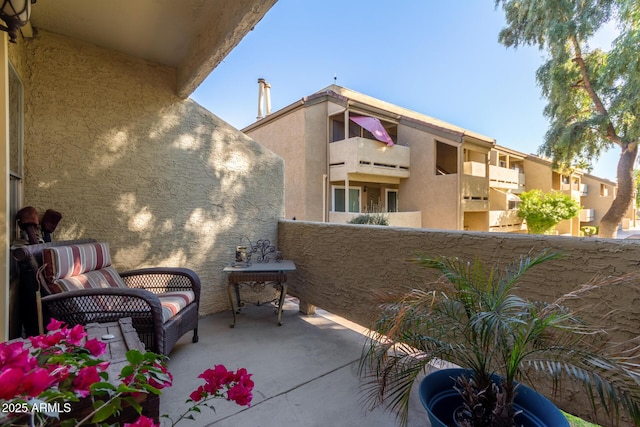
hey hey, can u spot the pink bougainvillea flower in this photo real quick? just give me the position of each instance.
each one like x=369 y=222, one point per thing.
x=240 y=394
x=167 y=382
x=198 y=394
x=86 y=376
x=46 y=341
x=54 y=325
x=142 y=422
x=36 y=382
x=76 y=334
x=95 y=346
x=14 y=355
x=11 y=379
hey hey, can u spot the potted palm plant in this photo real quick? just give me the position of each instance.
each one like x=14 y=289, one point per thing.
x=471 y=316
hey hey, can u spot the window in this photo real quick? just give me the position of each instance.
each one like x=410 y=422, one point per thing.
x=446 y=159
x=337 y=130
x=392 y=200
x=16 y=117
x=339 y=199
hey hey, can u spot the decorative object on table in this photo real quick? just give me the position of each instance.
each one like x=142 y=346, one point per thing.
x=263 y=249
x=471 y=316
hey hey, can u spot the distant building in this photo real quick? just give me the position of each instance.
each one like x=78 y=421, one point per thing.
x=347 y=153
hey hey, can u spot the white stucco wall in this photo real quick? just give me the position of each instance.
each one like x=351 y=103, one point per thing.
x=163 y=180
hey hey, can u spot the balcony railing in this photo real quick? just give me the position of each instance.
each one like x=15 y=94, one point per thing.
x=395 y=219
x=587 y=215
x=505 y=221
x=584 y=190
x=510 y=179
x=366 y=156
x=475 y=169
x=475 y=193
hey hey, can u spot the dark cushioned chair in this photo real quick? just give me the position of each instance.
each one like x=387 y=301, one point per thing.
x=79 y=286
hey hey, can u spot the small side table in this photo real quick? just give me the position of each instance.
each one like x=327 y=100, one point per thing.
x=257 y=276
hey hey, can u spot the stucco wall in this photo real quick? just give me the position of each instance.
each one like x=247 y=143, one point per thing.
x=436 y=196
x=345 y=269
x=163 y=180
x=285 y=137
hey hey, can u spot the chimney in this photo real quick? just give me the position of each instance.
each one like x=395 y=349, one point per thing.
x=264 y=98
x=261 y=85
x=267 y=97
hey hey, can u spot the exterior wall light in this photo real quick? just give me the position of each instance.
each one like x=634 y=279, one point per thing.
x=15 y=14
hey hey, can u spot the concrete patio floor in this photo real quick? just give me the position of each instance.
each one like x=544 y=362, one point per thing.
x=305 y=371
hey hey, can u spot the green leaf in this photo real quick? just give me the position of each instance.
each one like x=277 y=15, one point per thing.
x=103 y=413
x=135 y=357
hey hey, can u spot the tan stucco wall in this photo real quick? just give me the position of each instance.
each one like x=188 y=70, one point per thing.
x=345 y=269
x=163 y=180
x=283 y=137
x=437 y=196
x=593 y=199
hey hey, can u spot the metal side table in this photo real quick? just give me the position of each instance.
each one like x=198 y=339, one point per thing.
x=257 y=276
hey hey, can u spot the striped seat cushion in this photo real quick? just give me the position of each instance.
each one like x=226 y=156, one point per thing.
x=82 y=266
x=106 y=277
x=173 y=302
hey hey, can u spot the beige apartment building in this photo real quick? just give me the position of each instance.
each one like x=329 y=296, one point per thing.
x=347 y=153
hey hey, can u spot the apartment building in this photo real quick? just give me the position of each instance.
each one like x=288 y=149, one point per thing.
x=347 y=153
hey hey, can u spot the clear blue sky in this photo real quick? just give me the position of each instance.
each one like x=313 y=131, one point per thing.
x=440 y=58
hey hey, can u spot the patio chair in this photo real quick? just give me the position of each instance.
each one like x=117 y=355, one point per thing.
x=80 y=286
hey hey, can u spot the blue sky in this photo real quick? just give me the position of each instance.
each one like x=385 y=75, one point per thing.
x=439 y=58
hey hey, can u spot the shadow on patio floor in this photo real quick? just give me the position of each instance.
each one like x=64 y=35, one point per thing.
x=305 y=371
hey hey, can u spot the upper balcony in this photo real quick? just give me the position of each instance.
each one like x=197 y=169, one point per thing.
x=510 y=179
x=475 y=187
x=366 y=156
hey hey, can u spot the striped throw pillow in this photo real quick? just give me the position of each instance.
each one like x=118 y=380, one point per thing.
x=68 y=261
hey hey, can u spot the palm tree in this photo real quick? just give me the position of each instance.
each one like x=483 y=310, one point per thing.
x=471 y=317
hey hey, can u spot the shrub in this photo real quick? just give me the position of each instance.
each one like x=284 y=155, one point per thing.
x=371 y=219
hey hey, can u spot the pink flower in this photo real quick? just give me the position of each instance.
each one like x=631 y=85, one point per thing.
x=16 y=356
x=240 y=394
x=10 y=378
x=36 y=382
x=142 y=422
x=54 y=325
x=76 y=334
x=95 y=346
x=86 y=376
x=198 y=394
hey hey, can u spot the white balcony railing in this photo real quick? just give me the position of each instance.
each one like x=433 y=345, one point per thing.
x=587 y=215
x=395 y=219
x=366 y=156
x=510 y=179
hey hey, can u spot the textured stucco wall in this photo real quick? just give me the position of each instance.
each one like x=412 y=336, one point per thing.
x=285 y=137
x=163 y=180
x=345 y=269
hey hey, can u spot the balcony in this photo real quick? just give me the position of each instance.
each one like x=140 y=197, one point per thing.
x=344 y=269
x=396 y=219
x=475 y=193
x=361 y=156
x=584 y=190
x=305 y=372
x=505 y=221
x=587 y=215
x=509 y=179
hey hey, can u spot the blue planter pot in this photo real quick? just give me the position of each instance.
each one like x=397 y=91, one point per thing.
x=440 y=400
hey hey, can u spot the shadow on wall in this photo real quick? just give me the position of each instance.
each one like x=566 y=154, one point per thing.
x=160 y=178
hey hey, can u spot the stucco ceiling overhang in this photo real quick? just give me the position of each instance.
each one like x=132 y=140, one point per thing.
x=193 y=36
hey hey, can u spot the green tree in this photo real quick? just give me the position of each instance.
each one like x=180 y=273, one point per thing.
x=543 y=211
x=593 y=96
